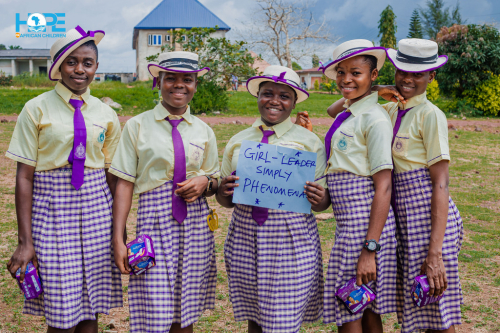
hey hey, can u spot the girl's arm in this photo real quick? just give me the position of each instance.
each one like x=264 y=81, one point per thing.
x=433 y=265
x=337 y=107
x=111 y=180
x=121 y=208
x=317 y=196
x=367 y=268
x=25 y=251
x=224 y=195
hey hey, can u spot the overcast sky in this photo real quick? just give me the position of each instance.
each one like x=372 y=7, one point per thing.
x=346 y=20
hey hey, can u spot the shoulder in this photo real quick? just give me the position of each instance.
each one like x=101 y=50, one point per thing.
x=135 y=122
x=376 y=114
x=42 y=99
x=202 y=125
x=240 y=136
x=429 y=110
x=301 y=132
x=104 y=107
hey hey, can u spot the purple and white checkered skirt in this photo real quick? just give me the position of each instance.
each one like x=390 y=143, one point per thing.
x=413 y=207
x=352 y=197
x=275 y=271
x=72 y=238
x=182 y=284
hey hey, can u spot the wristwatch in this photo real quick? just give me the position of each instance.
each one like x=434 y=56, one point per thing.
x=210 y=184
x=371 y=245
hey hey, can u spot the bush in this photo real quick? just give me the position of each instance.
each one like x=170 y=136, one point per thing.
x=5 y=80
x=36 y=80
x=462 y=107
x=486 y=96
x=433 y=91
x=316 y=85
x=209 y=97
x=328 y=84
x=386 y=74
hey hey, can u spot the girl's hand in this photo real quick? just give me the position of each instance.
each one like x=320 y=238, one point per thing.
x=121 y=257
x=433 y=267
x=389 y=93
x=20 y=259
x=192 y=188
x=303 y=120
x=315 y=193
x=227 y=186
x=366 y=270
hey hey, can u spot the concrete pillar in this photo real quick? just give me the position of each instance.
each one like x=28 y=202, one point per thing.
x=31 y=66
x=13 y=64
x=49 y=63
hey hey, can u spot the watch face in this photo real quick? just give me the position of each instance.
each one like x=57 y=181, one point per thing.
x=372 y=246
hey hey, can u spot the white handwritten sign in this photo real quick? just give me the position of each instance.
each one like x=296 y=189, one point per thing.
x=274 y=177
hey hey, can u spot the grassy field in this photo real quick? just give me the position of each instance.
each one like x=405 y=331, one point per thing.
x=475 y=180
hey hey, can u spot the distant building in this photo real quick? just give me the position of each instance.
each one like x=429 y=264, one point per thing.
x=309 y=76
x=34 y=61
x=156 y=28
x=259 y=65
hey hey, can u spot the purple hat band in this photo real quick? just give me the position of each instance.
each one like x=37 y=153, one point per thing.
x=351 y=53
x=406 y=59
x=155 y=79
x=279 y=79
x=63 y=50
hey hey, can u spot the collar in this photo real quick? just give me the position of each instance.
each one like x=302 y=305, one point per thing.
x=414 y=101
x=362 y=105
x=279 y=129
x=66 y=94
x=161 y=113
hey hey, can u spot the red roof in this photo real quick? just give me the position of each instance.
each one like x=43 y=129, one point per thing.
x=310 y=70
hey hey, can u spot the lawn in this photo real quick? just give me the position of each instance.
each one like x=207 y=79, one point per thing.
x=474 y=185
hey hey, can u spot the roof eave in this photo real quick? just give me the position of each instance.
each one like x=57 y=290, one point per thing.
x=169 y=28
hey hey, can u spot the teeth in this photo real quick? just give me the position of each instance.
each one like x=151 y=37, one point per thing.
x=348 y=89
x=274 y=110
x=407 y=88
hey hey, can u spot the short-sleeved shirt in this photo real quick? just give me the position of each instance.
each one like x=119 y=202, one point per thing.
x=422 y=139
x=286 y=134
x=145 y=154
x=362 y=144
x=44 y=132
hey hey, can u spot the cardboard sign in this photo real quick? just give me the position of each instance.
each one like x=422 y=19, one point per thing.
x=274 y=177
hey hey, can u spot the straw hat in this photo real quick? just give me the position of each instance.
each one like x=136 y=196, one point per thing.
x=416 y=55
x=351 y=49
x=64 y=46
x=281 y=75
x=177 y=62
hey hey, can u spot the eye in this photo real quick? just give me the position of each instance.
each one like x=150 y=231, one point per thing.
x=188 y=79
x=285 y=97
x=170 y=78
x=339 y=72
x=356 y=73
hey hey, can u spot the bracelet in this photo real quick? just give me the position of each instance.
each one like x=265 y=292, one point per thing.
x=209 y=184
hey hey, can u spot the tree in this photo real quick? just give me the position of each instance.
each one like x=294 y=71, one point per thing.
x=315 y=61
x=436 y=16
x=387 y=28
x=287 y=30
x=15 y=47
x=296 y=66
x=415 y=26
x=2 y=47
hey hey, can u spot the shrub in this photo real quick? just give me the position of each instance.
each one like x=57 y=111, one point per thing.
x=316 y=85
x=486 y=96
x=36 y=80
x=5 y=80
x=386 y=74
x=209 y=97
x=462 y=107
x=433 y=91
x=328 y=84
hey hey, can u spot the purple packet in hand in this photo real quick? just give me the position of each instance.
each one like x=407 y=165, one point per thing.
x=355 y=298
x=31 y=286
x=141 y=254
x=420 y=292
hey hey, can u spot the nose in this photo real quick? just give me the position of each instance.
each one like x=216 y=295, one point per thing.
x=347 y=78
x=79 y=69
x=179 y=83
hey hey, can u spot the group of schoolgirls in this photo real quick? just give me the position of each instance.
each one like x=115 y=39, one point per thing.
x=77 y=173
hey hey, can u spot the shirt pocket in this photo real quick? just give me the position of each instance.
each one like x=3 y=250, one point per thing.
x=292 y=145
x=343 y=141
x=195 y=154
x=400 y=145
x=99 y=134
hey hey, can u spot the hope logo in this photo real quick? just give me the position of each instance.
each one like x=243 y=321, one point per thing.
x=36 y=23
x=101 y=137
x=342 y=145
x=398 y=146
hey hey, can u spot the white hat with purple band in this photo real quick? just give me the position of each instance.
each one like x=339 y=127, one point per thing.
x=351 y=49
x=64 y=46
x=416 y=55
x=281 y=75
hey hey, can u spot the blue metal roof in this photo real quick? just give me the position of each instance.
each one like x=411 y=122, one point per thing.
x=185 y=14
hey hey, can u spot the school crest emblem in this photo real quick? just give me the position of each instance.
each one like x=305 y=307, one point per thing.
x=342 y=145
x=80 y=151
x=398 y=145
x=101 y=137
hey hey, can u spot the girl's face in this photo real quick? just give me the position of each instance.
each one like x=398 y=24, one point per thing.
x=177 y=90
x=276 y=102
x=354 y=78
x=78 y=69
x=412 y=84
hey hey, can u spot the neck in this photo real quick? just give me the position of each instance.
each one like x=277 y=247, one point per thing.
x=268 y=124
x=76 y=92
x=173 y=110
x=354 y=100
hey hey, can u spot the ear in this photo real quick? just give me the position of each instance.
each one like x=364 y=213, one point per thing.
x=96 y=65
x=196 y=85
x=374 y=75
x=432 y=75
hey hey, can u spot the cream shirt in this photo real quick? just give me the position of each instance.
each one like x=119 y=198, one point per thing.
x=422 y=139
x=362 y=144
x=145 y=154
x=44 y=132
x=286 y=134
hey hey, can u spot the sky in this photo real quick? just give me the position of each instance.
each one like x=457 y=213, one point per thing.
x=345 y=20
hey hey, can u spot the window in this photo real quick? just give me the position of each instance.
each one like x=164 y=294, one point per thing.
x=183 y=38
x=154 y=39
x=167 y=38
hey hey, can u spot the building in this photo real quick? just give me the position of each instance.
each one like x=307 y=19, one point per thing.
x=34 y=61
x=156 y=28
x=260 y=64
x=309 y=76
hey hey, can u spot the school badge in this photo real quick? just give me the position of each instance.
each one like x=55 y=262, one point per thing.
x=342 y=145
x=80 y=151
x=101 y=137
x=399 y=145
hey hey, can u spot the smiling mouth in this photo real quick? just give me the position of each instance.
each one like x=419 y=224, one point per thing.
x=79 y=79
x=273 y=110
x=348 y=89
x=178 y=94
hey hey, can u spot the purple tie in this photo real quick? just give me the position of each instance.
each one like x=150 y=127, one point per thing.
x=395 y=130
x=335 y=126
x=260 y=214
x=77 y=154
x=179 y=206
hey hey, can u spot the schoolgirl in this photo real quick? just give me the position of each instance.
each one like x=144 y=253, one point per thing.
x=359 y=181
x=273 y=257
x=169 y=157
x=63 y=143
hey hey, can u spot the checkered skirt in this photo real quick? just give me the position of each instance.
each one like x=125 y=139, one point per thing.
x=413 y=208
x=275 y=271
x=72 y=238
x=352 y=197
x=182 y=284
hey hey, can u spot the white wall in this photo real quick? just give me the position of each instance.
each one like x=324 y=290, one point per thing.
x=5 y=66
